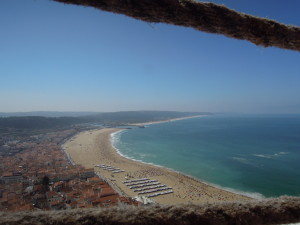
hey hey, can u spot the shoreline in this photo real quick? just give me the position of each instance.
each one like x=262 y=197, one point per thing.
x=90 y=148
x=252 y=195
x=166 y=121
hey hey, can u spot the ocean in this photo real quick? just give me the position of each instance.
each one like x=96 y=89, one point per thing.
x=254 y=154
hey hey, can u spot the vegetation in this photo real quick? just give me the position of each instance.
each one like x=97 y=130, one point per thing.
x=36 y=122
x=270 y=211
x=137 y=116
x=114 y=118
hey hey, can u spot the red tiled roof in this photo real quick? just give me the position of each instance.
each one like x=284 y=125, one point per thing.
x=55 y=203
x=7 y=174
x=25 y=207
x=51 y=194
x=94 y=179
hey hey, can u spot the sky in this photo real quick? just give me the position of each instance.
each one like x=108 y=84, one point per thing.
x=57 y=57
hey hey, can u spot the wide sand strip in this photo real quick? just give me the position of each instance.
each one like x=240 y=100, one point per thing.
x=166 y=121
x=91 y=148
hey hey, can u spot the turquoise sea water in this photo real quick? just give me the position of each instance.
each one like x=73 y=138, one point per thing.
x=253 y=154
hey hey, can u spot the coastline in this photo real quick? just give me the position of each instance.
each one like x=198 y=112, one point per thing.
x=165 y=121
x=249 y=195
x=94 y=147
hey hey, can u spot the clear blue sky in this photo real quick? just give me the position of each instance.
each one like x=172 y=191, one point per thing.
x=56 y=57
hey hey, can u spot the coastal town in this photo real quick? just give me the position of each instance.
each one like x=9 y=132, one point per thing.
x=78 y=167
x=36 y=174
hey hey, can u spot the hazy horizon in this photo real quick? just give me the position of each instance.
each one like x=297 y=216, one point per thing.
x=64 y=58
x=79 y=113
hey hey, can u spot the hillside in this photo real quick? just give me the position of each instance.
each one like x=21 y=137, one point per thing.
x=109 y=118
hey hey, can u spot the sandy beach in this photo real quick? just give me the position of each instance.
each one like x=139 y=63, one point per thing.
x=166 y=121
x=94 y=147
